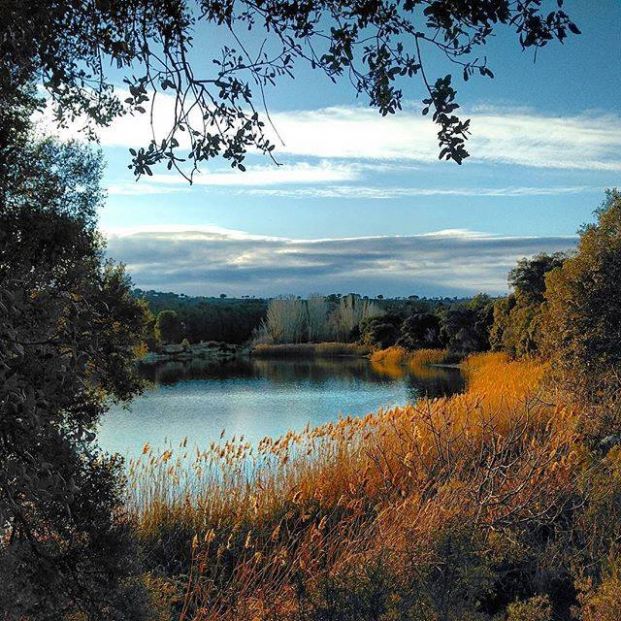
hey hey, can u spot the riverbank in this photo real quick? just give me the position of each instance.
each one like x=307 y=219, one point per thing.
x=310 y=350
x=210 y=350
x=379 y=504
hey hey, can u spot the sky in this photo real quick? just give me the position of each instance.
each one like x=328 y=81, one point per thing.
x=361 y=203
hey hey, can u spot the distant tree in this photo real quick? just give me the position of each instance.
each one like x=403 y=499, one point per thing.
x=420 y=330
x=380 y=331
x=168 y=326
x=207 y=319
x=582 y=323
x=517 y=321
x=317 y=309
x=66 y=48
x=286 y=319
x=465 y=326
x=222 y=296
x=350 y=312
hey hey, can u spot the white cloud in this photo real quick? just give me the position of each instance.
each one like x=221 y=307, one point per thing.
x=498 y=136
x=208 y=260
x=141 y=188
x=379 y=193
x=589 y=141
x=300 y=173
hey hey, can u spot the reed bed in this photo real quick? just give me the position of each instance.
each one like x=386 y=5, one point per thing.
x=425 y=357
x=395 y=362
x=391 y=356
x=260 y=531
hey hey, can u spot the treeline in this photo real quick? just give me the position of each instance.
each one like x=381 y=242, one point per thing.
x=287 y=319
x=462 y=327
x=512 y=323
x=175 y=318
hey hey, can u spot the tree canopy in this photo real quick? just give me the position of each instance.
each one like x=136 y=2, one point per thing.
x=68 y=327
x=67 y=48
x=582 y=323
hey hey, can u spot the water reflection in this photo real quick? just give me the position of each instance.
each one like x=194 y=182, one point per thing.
x=263 y=397
x=422 y=381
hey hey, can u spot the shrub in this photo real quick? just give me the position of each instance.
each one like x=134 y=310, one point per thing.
x=537 y=608
x=582 y=323
x=425 y=357
x=420 y=331
x=391 y=356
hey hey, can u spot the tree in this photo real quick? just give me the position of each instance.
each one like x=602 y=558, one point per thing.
x=168 y=326
x=317 y=318
x=68 y=329
x=582 y=323
x=380 y=331
x=420 y=330
x=528 y=278
x=66 y=47
x=350 y=312
x=465 y=327
x=517 y=321
x=286 y=319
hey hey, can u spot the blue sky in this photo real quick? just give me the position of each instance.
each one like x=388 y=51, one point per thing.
x=361 y=203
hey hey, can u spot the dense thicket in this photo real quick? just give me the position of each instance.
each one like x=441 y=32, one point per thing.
x=68 y=326
x=581 y=331
x=517 y=318
x=228 y=320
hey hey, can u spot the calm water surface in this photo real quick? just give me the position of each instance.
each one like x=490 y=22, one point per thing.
x=259 y=398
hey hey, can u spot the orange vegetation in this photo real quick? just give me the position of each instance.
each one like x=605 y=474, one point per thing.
x=393 y=360
x=263 y=528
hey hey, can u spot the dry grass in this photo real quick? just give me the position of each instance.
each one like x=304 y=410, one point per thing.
x=395 y=362
x=425 y=357
x=255 y=524
x=391 y=356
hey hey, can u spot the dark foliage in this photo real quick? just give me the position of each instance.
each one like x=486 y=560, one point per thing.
x=528 y=277
x=379 y=46
x=420 y=330
x=229 y=320
x=68 y=325
x=582 y=318
x=465 y=327
x=381 y=331
x=517 y=326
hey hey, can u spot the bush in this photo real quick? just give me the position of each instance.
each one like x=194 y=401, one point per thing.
x=381 y=332
x=582 y=323
x=537 y=608
x=420 y=331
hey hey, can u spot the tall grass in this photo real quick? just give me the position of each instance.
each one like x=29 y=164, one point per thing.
x=261 y=531
x=396 y=361
x=390 y=356
x=425 y=357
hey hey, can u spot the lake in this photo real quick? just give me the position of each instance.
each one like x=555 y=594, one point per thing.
x=259 y=398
